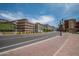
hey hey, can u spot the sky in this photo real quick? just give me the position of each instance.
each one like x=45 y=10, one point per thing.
x=45 y=13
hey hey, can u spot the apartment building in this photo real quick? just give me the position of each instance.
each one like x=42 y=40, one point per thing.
x=23 y=25
x=39 y=27
x=77 y=26
x=66 y=25
x=43 y=27
x=69 y=25
x=72 y=24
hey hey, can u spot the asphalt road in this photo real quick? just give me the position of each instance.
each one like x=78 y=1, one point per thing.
x=14 y=41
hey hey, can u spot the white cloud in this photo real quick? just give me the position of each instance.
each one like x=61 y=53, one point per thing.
x=12 y=16
x=7 y=16
x=68 y=7
x=43 y=19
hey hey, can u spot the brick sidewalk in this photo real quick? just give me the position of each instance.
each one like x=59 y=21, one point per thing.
x=68 y=44
x=71 y=48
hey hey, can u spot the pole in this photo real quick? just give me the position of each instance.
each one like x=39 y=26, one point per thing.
x=61 y=27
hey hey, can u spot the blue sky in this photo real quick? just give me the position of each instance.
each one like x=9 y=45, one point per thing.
x=45 y=13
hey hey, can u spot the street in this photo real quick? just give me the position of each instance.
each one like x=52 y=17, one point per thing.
x=14 y=41
x=66 y=45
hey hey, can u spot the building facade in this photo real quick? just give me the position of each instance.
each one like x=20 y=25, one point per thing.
x=72 y=24
x=39 y=27
x=77 y=26
x=43 y=27
x=69 y=25
x=23 y=25
x=66 y=25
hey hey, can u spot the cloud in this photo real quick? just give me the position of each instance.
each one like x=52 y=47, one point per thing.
x=43 y=19
x=64 y=8
x=7 y=16
x=71 y=10
x=70 y=7
x=12 y=16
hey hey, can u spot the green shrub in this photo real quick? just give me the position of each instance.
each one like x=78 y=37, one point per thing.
x=7 y=26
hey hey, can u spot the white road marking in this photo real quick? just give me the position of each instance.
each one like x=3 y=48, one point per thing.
x=26 y=45
x=61 y=47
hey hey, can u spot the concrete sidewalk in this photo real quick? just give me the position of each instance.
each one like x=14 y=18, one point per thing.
x=68 y=44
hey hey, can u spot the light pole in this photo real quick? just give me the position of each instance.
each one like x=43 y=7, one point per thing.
x=61 y=27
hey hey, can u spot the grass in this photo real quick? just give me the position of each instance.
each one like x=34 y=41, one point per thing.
x=6 y=26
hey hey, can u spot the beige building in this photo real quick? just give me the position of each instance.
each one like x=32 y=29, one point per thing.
x=23 y=25
x=72 y=24
x=39 y=27
x=69 y=25
x=43 y=27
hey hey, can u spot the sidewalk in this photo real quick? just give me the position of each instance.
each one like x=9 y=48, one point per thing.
x=68 y=44
x=71 y=47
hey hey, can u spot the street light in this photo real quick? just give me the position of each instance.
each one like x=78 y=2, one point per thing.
x=61 y=27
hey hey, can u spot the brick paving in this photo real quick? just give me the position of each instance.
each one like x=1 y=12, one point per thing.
x=68 y=44
x=71 y=48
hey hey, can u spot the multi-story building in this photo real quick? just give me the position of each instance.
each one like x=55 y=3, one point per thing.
x=72 y=24
x=23 y=25
x=77 y=26
x=39 y=27
x=69 y=25
x=66 y=25
x=43 y=27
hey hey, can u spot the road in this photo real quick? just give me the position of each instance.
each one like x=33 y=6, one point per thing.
x=14 y=41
